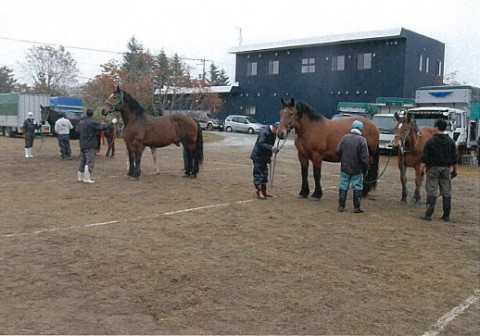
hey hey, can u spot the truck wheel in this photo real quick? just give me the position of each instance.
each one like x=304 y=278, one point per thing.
x=7 y=131
x=209 y=127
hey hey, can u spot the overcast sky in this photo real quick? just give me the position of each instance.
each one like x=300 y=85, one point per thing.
x=208 y=29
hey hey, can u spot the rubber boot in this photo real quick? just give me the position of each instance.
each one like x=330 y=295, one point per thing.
x=357 y=195
x=30 y=152
x=265 y=192
x=86 y=176
x=342 y=197
x=431 y=200
x=447 y=206
x=259 y=192
x=26 y=153
x=79 y=176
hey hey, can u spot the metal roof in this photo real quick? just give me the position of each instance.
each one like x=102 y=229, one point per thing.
x=319 y=40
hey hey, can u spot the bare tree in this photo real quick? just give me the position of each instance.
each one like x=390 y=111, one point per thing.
x=51 y=69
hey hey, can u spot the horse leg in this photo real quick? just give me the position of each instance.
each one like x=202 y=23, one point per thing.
x=305 y=190
x=317 y=192
x=137 y=158
x=418 y=185
x=131 y=163
x=153 y=150
x=403 y=181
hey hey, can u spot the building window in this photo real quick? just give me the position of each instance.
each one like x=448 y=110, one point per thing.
x=438 y=69
x=308 y=65
x=337 y=63
x=427 y=64
x=364 y=61
x=252 y=69
x=273 y=67
x=250 y=110
x=420 y=63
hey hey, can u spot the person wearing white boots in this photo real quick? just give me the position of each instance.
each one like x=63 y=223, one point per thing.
x=30 y=125
x=88 y=145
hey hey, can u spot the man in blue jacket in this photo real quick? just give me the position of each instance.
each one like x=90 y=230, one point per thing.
x=261 y=156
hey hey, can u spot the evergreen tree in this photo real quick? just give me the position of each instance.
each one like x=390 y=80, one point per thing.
x=7 y=82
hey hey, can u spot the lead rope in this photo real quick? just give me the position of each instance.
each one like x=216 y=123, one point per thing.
x=272 y=164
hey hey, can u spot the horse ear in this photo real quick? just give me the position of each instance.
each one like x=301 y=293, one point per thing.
x=116 y=89
x=283 y=102
x=409 y=117
x=396 y=116
x=292 y=101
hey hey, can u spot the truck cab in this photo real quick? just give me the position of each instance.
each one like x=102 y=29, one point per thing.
x=457 y=126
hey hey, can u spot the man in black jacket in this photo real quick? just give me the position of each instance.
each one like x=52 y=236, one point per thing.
x=353 y=152
x=439 y=154
x=88 y=129
x=261 y=156
x=30 y=125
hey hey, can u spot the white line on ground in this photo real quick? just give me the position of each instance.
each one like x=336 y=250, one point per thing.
x=126 y=220
x=452 y=314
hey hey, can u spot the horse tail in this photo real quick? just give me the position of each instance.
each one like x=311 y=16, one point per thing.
x=199 y=144
x=370 y=182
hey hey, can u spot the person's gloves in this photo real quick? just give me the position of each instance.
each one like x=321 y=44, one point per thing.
x=275 y=150
x=453 y=174
x=114 y=120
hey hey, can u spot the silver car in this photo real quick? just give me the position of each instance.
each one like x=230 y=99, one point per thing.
x=241 y=123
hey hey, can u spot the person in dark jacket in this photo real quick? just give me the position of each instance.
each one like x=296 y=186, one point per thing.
x=439 y=154
x=88 y=129
x=30 y=125
x=353 y=152
x=261 y=155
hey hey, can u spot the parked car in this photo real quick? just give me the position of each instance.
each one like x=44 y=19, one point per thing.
x=241 y=123
x=209 y=122
x=385 y=123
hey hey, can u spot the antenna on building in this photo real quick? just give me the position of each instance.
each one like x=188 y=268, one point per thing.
x=240 y=38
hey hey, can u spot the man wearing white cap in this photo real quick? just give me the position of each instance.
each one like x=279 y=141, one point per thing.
x=29 y=127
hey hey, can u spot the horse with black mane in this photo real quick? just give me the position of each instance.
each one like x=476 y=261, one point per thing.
x=145 y=130
x=410 y=140
x=50 y=115
x=317 y=138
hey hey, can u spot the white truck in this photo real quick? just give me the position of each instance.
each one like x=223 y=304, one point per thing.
x=14 y=108
x=459 y=104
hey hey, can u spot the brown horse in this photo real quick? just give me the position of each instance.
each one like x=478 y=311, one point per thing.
x=410 y=140
x=142 y=129
x=317 y=138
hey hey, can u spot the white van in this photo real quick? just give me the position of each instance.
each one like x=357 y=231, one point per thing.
x=386 y=126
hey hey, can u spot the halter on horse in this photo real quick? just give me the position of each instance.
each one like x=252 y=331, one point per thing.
x=317 y=138
x=142 y=129
x=410 y=140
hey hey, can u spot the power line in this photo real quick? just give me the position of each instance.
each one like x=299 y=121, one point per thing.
x=61 y=45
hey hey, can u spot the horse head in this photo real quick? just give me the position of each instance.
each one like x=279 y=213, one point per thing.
x=404 y=128
x=44 y=113
x=288 y=118
x=114 y=102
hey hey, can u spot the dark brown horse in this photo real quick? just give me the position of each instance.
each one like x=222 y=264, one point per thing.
x=142 y=130
x=410 y=140
x=317 y=138
x=49 y=114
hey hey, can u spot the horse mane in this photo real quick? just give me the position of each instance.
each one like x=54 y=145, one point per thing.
x=303 y=107
x=134 y=104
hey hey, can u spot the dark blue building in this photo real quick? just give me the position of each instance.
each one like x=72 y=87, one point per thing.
x=325 y=70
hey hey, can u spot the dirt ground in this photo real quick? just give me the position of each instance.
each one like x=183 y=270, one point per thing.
x=170 y=255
